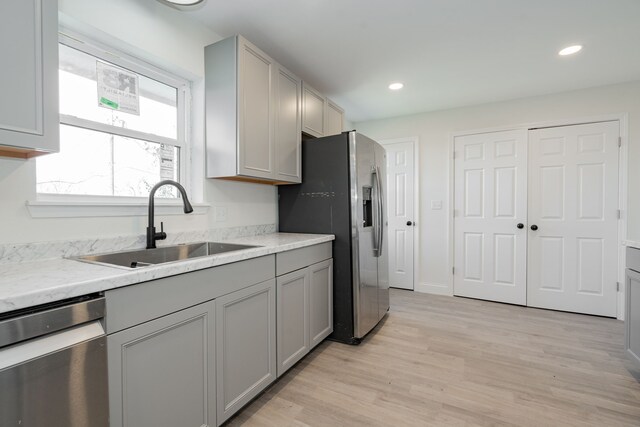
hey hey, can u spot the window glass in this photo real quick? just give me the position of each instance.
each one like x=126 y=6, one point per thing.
x=103 y=164
x=108 y=152
x=79 y=97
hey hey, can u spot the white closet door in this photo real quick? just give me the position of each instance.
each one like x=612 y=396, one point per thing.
x=400 y=213
x=490 y=202
x=573 y=202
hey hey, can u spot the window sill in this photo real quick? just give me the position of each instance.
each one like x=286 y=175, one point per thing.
x=85 y=209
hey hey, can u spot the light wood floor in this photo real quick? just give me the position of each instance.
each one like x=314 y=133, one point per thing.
x=439 y=360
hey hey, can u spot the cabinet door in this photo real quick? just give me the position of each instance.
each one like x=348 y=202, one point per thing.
x=312 y=111
x=246 y=346
x=632 y=315
x=293 y=318
x=320 y=301
x=288 y=126
x=29 y=84
x=161 y=373
x=334 y=116
x=255 y=103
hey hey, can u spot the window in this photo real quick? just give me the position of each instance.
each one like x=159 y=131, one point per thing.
x=122 y=126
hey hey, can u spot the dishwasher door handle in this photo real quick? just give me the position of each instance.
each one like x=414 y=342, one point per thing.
x=29 y=350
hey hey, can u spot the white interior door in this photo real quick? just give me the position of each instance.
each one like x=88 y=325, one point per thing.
x=490 y=239
x=400 y=202
x=573 y=218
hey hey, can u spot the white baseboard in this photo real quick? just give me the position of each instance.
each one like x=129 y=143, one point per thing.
x=434 y=288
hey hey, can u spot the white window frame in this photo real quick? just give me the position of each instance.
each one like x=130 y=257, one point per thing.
x=70 y=205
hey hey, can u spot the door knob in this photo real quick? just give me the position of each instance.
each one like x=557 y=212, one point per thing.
x=534 y=227
x=409 y=223
x=520 y=225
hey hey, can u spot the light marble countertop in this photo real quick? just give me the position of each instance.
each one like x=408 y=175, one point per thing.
x=632 y=244
x=38 y=282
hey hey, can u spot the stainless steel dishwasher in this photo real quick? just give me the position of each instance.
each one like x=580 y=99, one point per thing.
x=53 y=365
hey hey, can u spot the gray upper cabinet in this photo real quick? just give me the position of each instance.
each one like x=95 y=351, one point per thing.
x=334 y=118
x=288 y=126
x=246 y=346
x=252 y=111
x=313 y=111
x=161 y=372
x=29 y=119
x=320 y=115
x=256 y=114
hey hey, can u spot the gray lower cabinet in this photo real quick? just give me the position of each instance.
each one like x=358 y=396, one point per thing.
x=200 y=364
x=161 y=372
x=632 y=316
x=246 y=346
x=305 y=311
x=320 y=301
x=293 y=318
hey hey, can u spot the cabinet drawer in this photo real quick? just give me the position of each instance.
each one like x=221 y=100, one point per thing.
x=301 y=258
x=633 y=258
x=142 y=302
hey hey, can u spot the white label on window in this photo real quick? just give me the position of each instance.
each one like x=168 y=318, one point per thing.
x=117 y=89
x=166 y=162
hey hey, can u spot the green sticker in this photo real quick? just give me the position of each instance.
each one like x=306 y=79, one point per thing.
x=109 y=103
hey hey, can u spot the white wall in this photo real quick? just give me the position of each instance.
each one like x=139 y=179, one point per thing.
x=171 y=40
x=434 y=131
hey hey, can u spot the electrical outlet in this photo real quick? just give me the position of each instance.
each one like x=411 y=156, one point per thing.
x=220 y=213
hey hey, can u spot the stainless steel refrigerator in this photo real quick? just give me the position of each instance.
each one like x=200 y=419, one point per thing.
x=342 y=193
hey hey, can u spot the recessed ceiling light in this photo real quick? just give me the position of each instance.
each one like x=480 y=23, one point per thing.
x=396 y=86
x=570 y=50
x=183 y=2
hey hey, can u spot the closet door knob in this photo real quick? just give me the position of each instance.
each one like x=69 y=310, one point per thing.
x=520 y=225
x=534 y=227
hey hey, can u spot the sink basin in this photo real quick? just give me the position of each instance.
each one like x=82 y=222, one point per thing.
x=147 y=257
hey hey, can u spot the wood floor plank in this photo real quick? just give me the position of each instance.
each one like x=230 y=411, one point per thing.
x=442 y=361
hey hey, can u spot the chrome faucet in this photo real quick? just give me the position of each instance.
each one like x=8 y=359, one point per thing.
x=152 y=236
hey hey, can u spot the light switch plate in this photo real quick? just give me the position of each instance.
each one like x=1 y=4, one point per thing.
x=436 y=205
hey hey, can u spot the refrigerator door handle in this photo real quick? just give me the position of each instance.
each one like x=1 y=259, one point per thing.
x=376 y=211
x=380 y=212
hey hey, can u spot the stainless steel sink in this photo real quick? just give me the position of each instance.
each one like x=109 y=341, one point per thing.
x=147 y=257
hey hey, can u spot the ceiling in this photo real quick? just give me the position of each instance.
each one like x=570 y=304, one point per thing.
x=448 y=53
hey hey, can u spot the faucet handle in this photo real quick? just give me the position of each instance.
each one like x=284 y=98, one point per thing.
x=161 y=235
